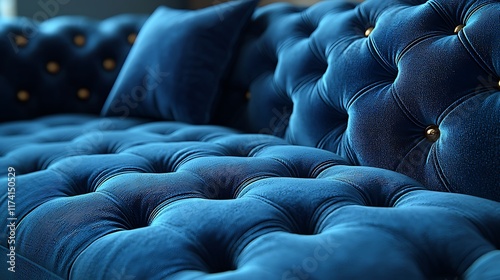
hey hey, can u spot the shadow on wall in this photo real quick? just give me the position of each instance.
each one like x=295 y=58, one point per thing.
x=43 y=9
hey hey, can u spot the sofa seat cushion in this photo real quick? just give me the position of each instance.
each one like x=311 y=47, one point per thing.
x=132 y=199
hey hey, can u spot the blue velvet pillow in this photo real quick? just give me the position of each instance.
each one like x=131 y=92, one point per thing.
x=174 y=69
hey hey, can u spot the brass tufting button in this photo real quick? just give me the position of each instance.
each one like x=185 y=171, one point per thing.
x=23 y=96
x=458 y=28
x=432 y=133
x=83 y=94
x=248 y=95
x=368 y=31
x=109 y=64
x=53 y=67
x=79 y=40
x=21 y=41
x=131 y=38
x=499 y=84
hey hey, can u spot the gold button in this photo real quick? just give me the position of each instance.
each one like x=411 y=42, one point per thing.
x=499 y=84
x=21 y=41
x=23 y=96
x=79 y=40
x=53 y=67
x=109 y=64
x=83 y=94
x=131 y=38
x=458 y=28
x=248 y=95
x=432 y=133
x=368 y=31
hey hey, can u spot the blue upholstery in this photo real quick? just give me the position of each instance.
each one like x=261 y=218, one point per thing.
x=174 y=70
x=63 y=65
x=129 y=199
x=352 y=109
x=316 y=79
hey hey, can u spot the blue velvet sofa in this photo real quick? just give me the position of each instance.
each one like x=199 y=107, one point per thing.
x=337 y=141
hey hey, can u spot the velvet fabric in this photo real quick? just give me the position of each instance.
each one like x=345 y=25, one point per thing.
x=368 y=81
x=406 y=85
x=76 y=48
x=105 y=198
x=175 y=68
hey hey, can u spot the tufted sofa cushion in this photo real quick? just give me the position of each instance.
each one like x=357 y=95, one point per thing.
x=130 y=199
x=407 y=85
x=63 y=65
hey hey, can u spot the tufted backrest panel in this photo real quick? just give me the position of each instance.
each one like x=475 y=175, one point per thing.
x=408 y=85
x=65 y=64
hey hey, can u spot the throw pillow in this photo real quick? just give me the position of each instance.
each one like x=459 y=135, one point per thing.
x=174 y=69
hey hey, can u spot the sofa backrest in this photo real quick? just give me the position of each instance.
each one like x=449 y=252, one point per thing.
x=407 y=85
x=62 y=65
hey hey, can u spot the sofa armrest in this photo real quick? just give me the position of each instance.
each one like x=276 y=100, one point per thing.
x=64 y=64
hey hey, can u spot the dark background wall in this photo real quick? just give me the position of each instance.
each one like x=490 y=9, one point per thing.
x=196 y=4
x=42 y=9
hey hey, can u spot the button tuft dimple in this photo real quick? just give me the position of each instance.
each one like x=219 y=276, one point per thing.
x=53 y=67
x=21 y=41
x=432 y=133
x=131 y=38
x=23 y=96
x=109 y=64
x=83 y=94
x=79 y=40
x=248 y=95
x=458 y=28
x=369 y=31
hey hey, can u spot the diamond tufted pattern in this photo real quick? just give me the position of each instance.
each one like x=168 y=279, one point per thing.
x=62 y=65
x=132 y=199
x=406 y=85
x=371 y=81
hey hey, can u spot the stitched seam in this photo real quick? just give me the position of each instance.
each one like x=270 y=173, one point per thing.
x=376 y=54
x=476 y=9
x=415 y=147
x=322 y=167
x=169 y=201
x=245 y=183
x=457 y=104
x=416 y=42
x=464 y=40
x=290 y=168
x=441 y=12
x=290 y=219
x=366 y=199
x=322 y=95
x=352 y=157
x=321 y=143
x=365 y=90
x=283 y=94
x=307 y=79
x=406 y=111
x=439 y=170
x=322 y=208
x=114 y=199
